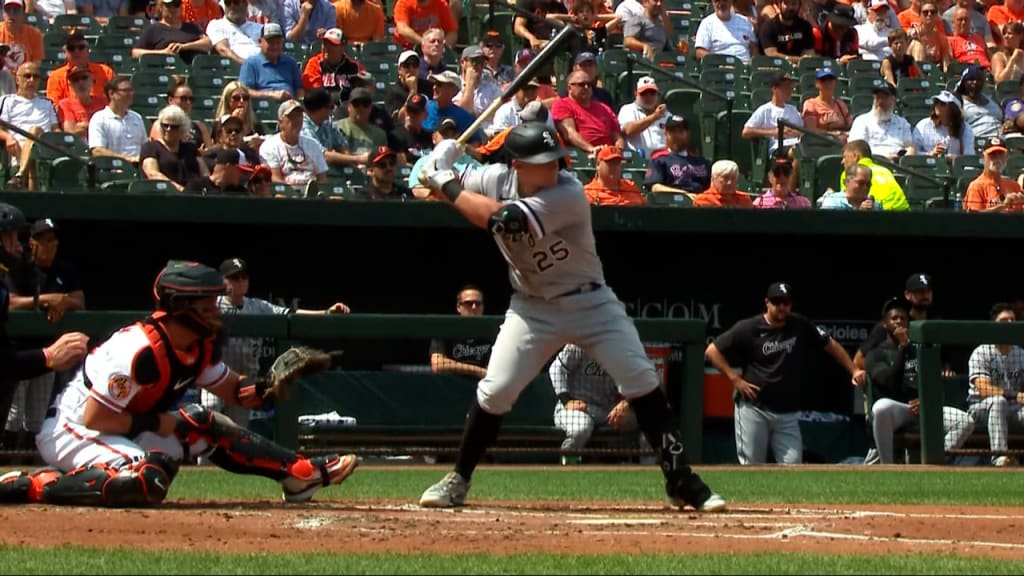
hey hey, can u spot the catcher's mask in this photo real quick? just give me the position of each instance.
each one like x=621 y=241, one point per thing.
x=12 y=221
x=179 y=288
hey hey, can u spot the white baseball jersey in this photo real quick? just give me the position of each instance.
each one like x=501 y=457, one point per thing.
x=558 y=254
x=243 y=353
x=580 y=376
x=1004 y=371
x=107 y=375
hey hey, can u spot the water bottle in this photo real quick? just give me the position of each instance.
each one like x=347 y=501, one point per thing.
x=958 y=201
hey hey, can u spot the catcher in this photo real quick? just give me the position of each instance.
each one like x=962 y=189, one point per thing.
x=113 y=437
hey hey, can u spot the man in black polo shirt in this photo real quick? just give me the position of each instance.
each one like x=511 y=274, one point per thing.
x=468 y=356
x=673 y=169
x=773 y=351
x=383 y=185
x=787 y=35
x=410 y=138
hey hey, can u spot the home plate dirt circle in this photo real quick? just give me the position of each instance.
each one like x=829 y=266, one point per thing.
x=517 y=527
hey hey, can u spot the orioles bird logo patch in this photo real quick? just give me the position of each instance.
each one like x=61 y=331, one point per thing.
x=119 y=386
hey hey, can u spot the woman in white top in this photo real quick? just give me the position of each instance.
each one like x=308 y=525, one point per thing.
x=1008 y=59
x=944 y=133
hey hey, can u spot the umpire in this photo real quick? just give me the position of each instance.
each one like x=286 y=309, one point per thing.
x=773 y=351
x=16 y=365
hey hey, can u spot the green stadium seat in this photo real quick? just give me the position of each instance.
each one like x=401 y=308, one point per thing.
x=129 y=25
x=669 y=199
x=334 y=189
x=919 y=190
x=114 y=41
x=1014 y=165
x=207 y=82
x=149 y=105
x=170 y=63
x=37 y=21
x=152 y=81
x=53 y=45
x=113 y=174
x=916 y=86
x=87 y=25
x=861 y=103
x=152 y=187
x=281 y=190
x=863 y=83
x=964 y=165
x=120 y=61
x=214 y=64
x=204 y=107
x=729 y=143
x=62 y=170
x=1006 y=90
x=814 y=63
x=771 y=64
x=863 y=69
x=265 y=109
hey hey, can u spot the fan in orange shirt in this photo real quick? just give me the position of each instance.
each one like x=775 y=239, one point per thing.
x=723 y=193
x=609 y=188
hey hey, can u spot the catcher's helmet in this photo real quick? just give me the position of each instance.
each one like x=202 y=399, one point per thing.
x=533 y=143
x=11 y=218
x=179 y=284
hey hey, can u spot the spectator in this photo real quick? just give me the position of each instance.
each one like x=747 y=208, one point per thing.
x=723 y=193
x=378 y=116
x=494 y=48
x=583 y=122
x=995 y=399
x=272 y=73
x=234 y=36
x=223 y=179
x=316 y=124
x=787 y=35
x=509 y=114
x=360 y=21
x=478 y=88
x=825 y=112
x=643 y=120
x=648 y=33
x=898 y=64
x=432 y=47
x=781 y=194
x=855 y=196
x=409 y=83
x=383 y=185
x=930 y=43
x=412 y=140
x=170 y=157
x=888 y=133
x=52 y=284
x=836 y=37
x=7 y=83
x=893 y=368
x=236 y=101
x=493 y=151
x=944 y=134
x=674 y=169
x=587 y=398
x=305 y=21
x=537 y=33
x=991 y=191
x=546 y=93
x=976 y=23
x=263 y=11
x=725 y=32
x=982 y=113
x=331 y=69
x=772 y=351
x=293 y=159
x=102 y=10
x=76 y=55
x=884 y=187
x=363 y=137
x=609 y=188
x=24 y=40
x=1008 y=60
x=446 y=130
x=628 y=9
x=201 y=12
x=764 y=122
x=1013 y=119
x=873 y=36
x=999 y=15
x=592 y=33
x=587 y=62
x=446 y=85
x=75 y=111
x=180 y=95
x=117 y=130
x=414 y=17
x=171 y=35
x=259 y=181
x=32 y=113
x=966 y=46
x=229 y=137
x=467 y=357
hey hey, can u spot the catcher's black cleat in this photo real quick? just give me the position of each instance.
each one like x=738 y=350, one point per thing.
x=322 y=471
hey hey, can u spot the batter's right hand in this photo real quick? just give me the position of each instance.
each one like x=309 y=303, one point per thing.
x=745 y=388
x=67 y=351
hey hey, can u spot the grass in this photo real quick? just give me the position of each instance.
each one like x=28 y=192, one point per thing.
x=752 y=486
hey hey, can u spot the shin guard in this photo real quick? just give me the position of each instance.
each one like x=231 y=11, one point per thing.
x=235 y=449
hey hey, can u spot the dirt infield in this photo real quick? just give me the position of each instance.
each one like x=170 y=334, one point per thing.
x=515 y=527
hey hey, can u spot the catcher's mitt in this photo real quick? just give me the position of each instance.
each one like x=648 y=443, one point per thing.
x=294 y=363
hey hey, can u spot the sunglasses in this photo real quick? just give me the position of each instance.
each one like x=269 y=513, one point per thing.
x=169 y=127
x=582 y=84
x=471 y=303
x=928 y=12
x=186 y=98
x=78 y=47
x=232 y=131
x=240 y=97
x=29 y=75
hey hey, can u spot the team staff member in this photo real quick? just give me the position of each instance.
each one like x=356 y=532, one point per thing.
x=772 y=350
x=468 y=356
x=16 y=365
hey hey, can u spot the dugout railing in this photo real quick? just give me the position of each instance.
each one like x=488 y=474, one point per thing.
x=937 y=391
x=684 y=380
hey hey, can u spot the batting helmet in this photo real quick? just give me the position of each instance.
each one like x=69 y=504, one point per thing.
x=181 y=282
x=533 y=143
x=11 y=218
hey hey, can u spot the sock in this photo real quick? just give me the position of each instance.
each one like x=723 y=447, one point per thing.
x=656 y=422
x=480 y=433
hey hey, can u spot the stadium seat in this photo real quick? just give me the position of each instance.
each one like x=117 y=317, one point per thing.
x=669 y=199
x=61 y=165
x=152 y=187
x=168 y=63
x=214 y=63
x=87 y=25
x=111 y=174
x=772 y=64
x=129 y=25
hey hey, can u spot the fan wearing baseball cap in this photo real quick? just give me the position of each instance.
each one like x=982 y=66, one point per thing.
x=331 y=68
x=643 y=120
x=826 y=112
x=25 y=41
x=675 y=169
x=272 y=73
x=410 y=139
x=225 y=178
x=445 y=86
x=764 y=122
x=609 y=188
x=834 y=35
x=991 y=191
x=383 y=185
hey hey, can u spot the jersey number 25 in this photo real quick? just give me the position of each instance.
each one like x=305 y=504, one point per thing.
x=556 y=252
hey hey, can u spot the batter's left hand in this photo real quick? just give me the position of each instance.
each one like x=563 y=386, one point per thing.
x=860 y=378
x=618 y=414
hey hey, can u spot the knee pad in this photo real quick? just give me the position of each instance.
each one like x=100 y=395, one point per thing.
x=144 y=484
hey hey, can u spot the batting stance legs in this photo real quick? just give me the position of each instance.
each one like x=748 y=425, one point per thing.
x=90 y=469
x=533 y=331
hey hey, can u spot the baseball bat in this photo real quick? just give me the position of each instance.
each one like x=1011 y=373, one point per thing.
x=543 y=57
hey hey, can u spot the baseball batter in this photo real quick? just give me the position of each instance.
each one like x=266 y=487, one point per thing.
x=112 y=438
x=544 y=232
